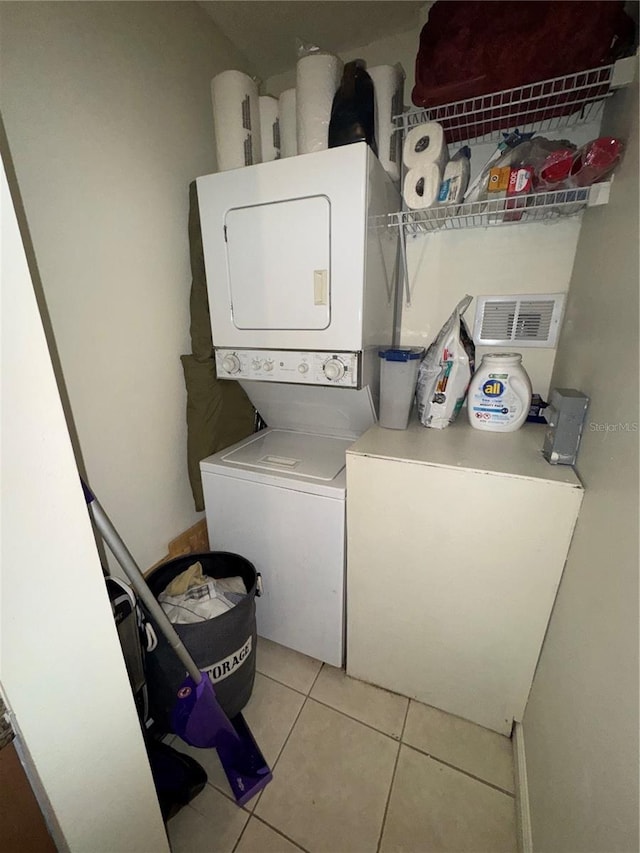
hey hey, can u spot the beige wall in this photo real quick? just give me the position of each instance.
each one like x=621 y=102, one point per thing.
x=107 y=112
x=534 y=258
x=581 y=723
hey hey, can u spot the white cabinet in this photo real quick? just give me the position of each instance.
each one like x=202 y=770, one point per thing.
x=455 y=548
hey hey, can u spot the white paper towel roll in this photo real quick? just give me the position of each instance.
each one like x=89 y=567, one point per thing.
x=425 y=144
x=269 y=128
x=236 y=119
x=288 y=132
x=318 y=76
x=421 y=186
x=388 y=84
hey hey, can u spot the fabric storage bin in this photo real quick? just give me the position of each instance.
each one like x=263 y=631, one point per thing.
x=224 y=647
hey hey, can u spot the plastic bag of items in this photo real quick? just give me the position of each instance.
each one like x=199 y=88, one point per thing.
x=195 y=597
x=445 y=372
x=565 y=167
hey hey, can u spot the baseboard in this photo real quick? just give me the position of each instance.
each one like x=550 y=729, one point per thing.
x=523 y=815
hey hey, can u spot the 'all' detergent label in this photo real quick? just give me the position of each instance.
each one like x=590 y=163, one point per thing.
x=494 y=402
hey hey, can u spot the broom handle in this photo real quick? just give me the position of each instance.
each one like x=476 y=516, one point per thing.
x=122 y=555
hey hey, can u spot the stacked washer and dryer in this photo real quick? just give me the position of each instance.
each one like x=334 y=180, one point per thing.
x=300 y=262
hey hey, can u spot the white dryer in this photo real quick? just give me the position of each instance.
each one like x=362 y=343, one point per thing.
x=301 y=267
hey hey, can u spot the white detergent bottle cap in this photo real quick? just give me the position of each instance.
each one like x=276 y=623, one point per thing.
x=503 y=357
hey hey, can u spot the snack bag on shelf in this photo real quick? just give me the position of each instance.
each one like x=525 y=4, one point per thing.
x=477 y=189
x=520 y=184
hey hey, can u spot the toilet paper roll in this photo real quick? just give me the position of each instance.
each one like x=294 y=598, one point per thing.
x=317 y=79
x=236 y=120
x=425 y=144
x=288 y=131
x=269 y=129
x=388 y=84
x=422 y=185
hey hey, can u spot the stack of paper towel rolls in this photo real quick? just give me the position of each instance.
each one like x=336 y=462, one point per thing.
x=388 y=85
x=318 y=76
x=288 y=128
x=425 y=155
x=236 y=117
x=253 y=129
x=269 y=129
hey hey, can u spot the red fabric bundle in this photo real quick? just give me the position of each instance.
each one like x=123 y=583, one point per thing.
x=472 y=47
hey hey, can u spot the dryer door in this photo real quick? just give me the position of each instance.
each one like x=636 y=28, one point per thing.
x=279 y=260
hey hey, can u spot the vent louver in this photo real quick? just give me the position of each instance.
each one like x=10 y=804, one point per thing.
x=533 y=321
x=528 y=320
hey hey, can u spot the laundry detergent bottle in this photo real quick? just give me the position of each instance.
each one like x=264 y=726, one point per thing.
x=499 y=396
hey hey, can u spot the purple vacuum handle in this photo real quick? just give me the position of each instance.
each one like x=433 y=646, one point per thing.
x=88 y=494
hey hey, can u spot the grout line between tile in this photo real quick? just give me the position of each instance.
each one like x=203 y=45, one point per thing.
x=393 y=777
x=242 y=831
x=406 y=717
x=316 y=678
x=228 y=794
x=460 y=770
x=357 y=720
x=283 y=684
x=286 y=740
x=281 y=833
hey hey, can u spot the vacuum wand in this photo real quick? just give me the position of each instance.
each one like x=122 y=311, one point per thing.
x=130 y=568
x=197 y=716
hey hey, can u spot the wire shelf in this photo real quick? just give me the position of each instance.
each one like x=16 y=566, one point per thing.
x=535 y=207
x=545 y=106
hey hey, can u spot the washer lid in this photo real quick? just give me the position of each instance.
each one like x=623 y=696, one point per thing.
x=295 y=454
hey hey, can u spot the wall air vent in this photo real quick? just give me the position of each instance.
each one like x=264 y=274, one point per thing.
x=529 y=320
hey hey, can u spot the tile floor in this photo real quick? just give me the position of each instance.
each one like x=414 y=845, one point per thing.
x=355 y=769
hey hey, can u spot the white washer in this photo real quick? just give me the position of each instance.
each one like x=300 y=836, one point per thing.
x=278 y=498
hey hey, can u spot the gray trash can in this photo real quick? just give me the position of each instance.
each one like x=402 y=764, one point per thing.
x=224 y=647
x=398 y=376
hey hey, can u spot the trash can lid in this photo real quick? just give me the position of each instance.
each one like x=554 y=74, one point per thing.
x=401 y=353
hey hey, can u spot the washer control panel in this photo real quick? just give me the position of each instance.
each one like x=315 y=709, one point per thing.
x=302 y=367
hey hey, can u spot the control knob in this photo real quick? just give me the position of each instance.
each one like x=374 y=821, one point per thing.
x=303 y=367
x=268 y=365
x=231 y=363
x=334 y=369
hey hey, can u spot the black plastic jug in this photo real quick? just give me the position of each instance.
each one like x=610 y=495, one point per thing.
x=353 y=108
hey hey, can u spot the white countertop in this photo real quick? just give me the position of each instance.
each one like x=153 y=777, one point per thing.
x=515 y=454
